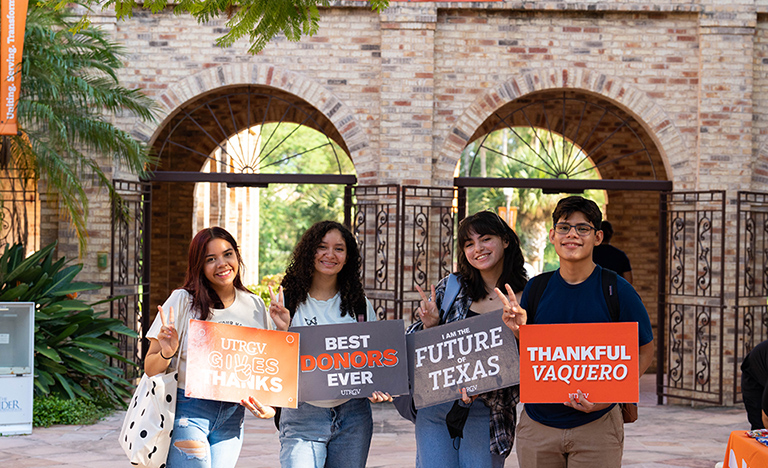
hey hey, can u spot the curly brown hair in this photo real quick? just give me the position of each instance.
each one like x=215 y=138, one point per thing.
x=298 y=277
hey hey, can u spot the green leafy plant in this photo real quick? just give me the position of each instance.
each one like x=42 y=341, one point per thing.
x=73 y=343
x=69 y=96
x=51 y=409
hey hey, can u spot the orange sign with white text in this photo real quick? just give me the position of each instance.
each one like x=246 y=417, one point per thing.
x=600 y=359
x=12 y=24
x=230 y=363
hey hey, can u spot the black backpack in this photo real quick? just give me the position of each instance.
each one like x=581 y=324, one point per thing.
x=610 y=293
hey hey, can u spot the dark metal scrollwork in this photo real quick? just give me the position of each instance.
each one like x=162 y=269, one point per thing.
x=676 y=322
x=446 y=246
x=677 y=275
x=749 y=256
x=703 y=321
x=764 y=281
x=421 y=237
x=704 y=279
x=382 y=218
x=358 y=228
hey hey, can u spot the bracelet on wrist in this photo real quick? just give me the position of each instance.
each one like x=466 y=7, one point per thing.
x=166 y=358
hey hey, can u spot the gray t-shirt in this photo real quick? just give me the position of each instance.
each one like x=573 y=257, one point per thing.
x=247 y=310
x=313 y=312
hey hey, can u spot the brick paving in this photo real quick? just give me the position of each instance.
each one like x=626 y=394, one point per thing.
x=664 y=436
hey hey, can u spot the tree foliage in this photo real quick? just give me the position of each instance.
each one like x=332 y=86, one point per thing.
x=287 y=210
x=69 y=92
x=259 y=20
x=520 y=155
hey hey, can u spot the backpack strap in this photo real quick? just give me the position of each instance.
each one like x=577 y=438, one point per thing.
x=452 y=288
x=609 y=286
x=538 y=285
x=611 y=293
x=361 y=314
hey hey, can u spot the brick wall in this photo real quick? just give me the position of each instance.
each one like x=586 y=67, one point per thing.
x=406 y=90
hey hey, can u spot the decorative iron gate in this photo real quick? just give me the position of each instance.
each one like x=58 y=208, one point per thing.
x=751 y=318
x=405 y=235
x=130 y=268
x=691 y=300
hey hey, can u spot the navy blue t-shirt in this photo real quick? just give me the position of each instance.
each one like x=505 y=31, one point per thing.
x=582 y=303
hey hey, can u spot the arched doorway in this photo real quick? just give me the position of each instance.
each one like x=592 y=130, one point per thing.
x=568 y=140
x=236 y=139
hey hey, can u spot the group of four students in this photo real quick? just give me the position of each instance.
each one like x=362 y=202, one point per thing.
x=322 y=285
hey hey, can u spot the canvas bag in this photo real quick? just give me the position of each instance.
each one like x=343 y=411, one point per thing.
x=146 y=432
x=148 y=425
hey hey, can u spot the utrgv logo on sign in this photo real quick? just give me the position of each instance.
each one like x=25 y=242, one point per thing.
x=9 y=405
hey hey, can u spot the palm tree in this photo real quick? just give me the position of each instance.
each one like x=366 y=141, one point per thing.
x=69 y=90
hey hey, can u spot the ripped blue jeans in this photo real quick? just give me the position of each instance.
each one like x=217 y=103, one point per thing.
x=206 y=433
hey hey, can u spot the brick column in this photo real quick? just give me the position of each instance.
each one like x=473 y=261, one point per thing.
x=407 y=94
x=725 y=134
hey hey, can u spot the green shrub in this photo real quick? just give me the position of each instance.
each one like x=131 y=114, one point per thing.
x=262 y=289
x=73 y=343
x=51 y=409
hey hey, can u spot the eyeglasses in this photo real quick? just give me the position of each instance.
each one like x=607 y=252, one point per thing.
x=582 y=230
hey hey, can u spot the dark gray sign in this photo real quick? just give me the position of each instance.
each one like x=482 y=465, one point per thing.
x=352 y=360
x=479 y=354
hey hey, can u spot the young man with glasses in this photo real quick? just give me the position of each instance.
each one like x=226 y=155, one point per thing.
x=578 y=433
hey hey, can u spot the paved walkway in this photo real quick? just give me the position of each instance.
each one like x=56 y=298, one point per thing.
x=664 y=436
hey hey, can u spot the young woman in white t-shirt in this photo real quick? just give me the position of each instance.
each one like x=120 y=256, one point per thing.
x=206 y=433
x=322 y=286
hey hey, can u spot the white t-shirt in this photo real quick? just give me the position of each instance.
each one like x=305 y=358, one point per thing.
x=247 y=310
x=313 y=312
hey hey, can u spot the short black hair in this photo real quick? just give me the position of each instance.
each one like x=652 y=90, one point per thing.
x=607 y=229
x=569 y=205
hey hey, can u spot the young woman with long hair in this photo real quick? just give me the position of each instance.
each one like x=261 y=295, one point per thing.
x=489 y=261
x=206 y=433
x=322 y=286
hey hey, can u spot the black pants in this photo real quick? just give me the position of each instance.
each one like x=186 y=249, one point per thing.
x=752 y=394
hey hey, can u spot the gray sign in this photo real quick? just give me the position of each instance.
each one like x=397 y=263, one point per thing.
x=479 y=354
x=352 y=360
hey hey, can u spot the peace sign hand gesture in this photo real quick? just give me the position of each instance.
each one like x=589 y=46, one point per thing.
x=168 y=337
x=428 y=313
x=280 y=315
x=513 y=315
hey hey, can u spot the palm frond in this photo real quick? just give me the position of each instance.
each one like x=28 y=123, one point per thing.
x=70 y=90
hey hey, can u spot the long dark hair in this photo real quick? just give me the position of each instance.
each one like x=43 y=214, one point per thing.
x=203 y=296
x=298 y=277
x=485 y=223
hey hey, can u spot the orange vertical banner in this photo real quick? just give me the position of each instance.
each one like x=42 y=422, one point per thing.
x=14 y=19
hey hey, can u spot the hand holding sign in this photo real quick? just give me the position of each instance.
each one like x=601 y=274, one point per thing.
x=578 y=401
x=258 y=410
x=380 y=397
x=428 y=313
x=280 y=315
x=513 y=315
x=168 y=337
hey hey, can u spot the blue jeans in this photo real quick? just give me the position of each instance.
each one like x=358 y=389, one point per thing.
x=206 y=433
x=435 y=448
x=337 y=437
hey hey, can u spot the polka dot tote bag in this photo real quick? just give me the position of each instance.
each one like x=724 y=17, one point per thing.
x=148 y=425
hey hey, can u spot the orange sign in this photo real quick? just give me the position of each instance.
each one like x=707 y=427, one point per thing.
x=230 y=363
x=14 y=19
x=600 y=359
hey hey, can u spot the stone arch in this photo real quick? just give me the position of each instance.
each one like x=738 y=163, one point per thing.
x=650 y=115
x=354 y=139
